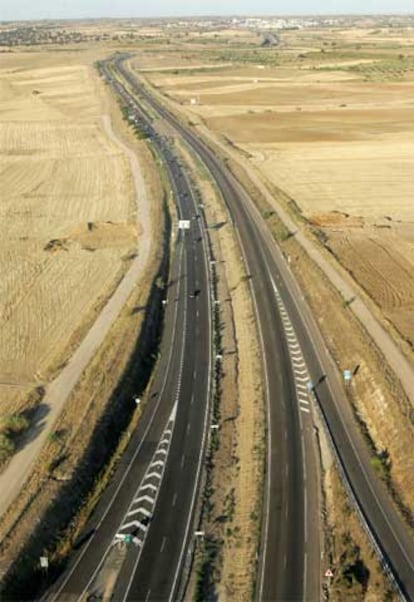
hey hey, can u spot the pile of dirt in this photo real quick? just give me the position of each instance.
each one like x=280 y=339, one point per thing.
x=56 y=244
x=105 y=235
x=336 y=220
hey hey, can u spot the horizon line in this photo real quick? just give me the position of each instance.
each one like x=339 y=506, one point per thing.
x=212 y=16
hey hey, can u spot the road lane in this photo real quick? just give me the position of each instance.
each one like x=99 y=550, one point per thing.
x=386 y=526
x=284 y=555
x=186 y=342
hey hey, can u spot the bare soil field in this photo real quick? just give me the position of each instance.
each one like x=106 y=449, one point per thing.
x=66 y=212
x=328 y=118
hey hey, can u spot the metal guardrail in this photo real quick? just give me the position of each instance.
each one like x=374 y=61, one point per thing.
x=352 y=496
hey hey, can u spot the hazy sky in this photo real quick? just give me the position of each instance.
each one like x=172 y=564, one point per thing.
x=54 y=9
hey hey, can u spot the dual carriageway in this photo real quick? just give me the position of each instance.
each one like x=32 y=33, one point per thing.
x=153 y=497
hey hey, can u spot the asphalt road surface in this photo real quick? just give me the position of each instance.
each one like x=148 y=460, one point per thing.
x=290 y=560
x=294 y=355
x=179 y=398
x=287 y=558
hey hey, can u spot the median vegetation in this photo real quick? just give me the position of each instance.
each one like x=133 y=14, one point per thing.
x=226 y=553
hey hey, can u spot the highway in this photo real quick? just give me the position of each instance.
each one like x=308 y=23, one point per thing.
x=290 y=558
x=152 y=498
x=290 y=552
x=172 y=432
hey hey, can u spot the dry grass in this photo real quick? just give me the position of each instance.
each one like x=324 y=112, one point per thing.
x=357 y=573
x=241 y=545
x=382 y=262
x=67 y=214
x=87 y=406
x=376 y=396
x=363 y=178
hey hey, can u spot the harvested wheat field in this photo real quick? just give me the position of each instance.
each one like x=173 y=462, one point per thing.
x=67 y=215
x=382 y=262
x=332 y=126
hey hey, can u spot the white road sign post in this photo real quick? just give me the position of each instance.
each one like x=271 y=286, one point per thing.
x=44 y=562
x=184 y=224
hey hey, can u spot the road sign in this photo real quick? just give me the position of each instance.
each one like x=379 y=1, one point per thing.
x=44 y=562
x=184 y=224
x=347 y=376
x=309 y=385
x=329 y=573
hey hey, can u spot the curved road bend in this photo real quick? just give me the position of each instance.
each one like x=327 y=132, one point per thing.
x=388 y=529
x=182 y=375
x=290 y=567
x=157 y=574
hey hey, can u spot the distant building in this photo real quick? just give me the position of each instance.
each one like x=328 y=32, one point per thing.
x=270 y=39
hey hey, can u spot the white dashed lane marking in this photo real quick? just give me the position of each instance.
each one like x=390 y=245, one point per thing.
x=136 y=524
x=141 y=509
x=148 y=486
x=153 y=475
x=144 y=498
x=300 y=371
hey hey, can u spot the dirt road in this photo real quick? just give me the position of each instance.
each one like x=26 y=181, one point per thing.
x=58 y=391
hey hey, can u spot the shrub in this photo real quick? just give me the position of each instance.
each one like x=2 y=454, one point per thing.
x=6 y=447
x=15 y=424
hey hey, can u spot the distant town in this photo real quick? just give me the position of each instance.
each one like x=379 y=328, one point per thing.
x=55 y=32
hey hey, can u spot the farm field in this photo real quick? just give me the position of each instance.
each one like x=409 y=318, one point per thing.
x=67 y=215
x=325 y=115
x=328 y=118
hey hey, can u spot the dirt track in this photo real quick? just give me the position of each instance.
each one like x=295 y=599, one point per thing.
x=58 y=391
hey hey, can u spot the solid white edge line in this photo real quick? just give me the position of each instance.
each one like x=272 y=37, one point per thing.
x=125 y=597
x=111 y=501
x=207 y=409
x=265 y=530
